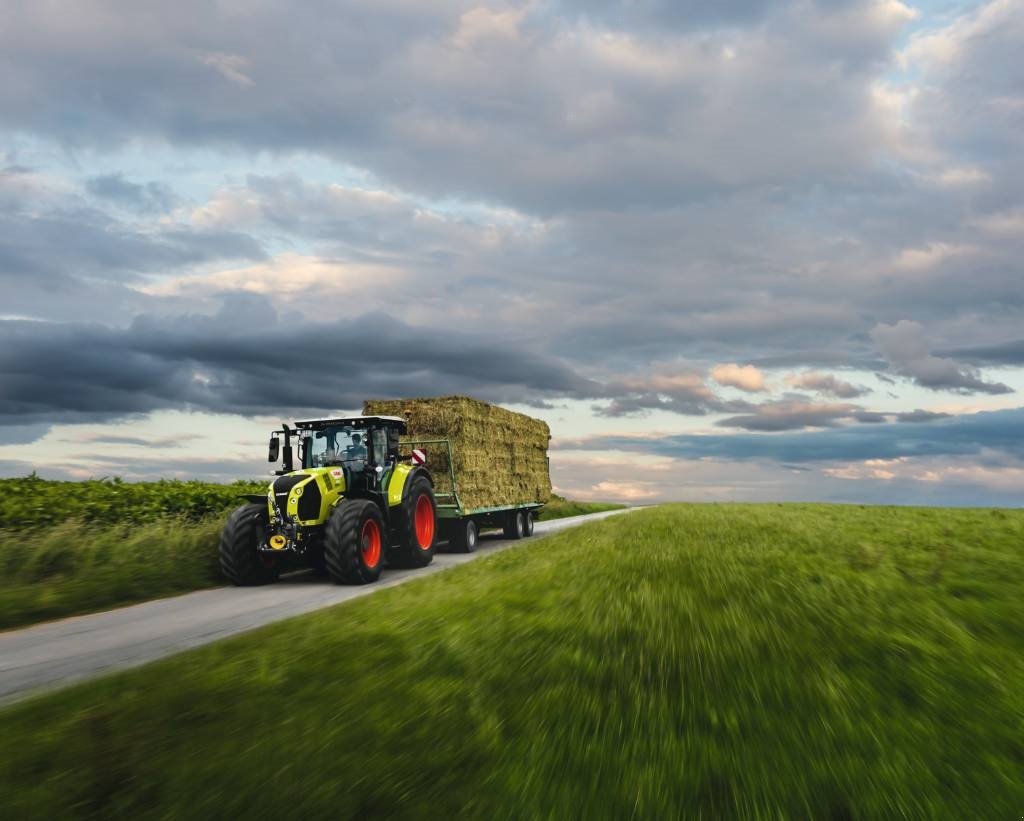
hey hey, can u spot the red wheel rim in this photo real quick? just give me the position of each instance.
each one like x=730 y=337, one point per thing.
x=371 y=543
x=424 y=522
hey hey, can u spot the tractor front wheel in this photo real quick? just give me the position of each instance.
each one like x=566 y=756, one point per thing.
x=417 y=526
x=240 y=557
x=354 y=543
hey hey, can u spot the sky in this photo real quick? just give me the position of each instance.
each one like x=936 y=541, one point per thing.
x=765 y=250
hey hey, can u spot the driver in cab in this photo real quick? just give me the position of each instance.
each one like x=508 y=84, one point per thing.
x=357 y=450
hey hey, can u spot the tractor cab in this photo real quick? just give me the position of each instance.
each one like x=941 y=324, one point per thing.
x=365 y=448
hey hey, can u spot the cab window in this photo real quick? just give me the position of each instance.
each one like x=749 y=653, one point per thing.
x=380 y=446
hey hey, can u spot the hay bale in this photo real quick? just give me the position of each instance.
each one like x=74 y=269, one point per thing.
x=500 y=457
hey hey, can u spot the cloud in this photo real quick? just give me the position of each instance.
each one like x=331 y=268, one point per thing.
x=246 y=360
x=476 y=100
x=966 y=435
x=602 y=200
x=151 y=197
x=904 y=345
x=229 y=66
x=826 y=383
x=50 y=236
x=1005 y=353
x=746 y=377
x=682 y=393
x=676 y=14
x=794 y=415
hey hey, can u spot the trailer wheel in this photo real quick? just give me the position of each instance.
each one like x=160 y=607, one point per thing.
x=240 y=558
x=465 y=534
x=416 y=526
x=354 y=542
x=515 y=525
x=527 y=523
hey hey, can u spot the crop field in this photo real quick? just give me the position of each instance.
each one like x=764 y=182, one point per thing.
x=31 y=502
x=76 y=547
x=714 y=661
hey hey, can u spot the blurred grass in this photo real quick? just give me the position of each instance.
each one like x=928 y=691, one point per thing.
x=75 y=567
x=805 y=661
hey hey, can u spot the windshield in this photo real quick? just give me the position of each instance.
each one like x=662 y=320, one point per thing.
x=335 y=446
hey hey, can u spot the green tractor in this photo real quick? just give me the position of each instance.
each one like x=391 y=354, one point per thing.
x=351 y=506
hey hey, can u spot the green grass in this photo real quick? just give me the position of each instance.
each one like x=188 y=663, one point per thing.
x=75 y=567
x=720 y=661
x=559 y=508
x=166 y=543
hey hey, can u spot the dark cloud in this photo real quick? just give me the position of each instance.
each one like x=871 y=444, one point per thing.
x=1005 y=353
x=921 y=416
x=151 y=197
x=967 y=435
x=678 y=14
x=245 y=360
x=794 y=415
x=14 y=433
x=153 y=442
x=683 y=392
x=828 y=384
x=904 y=345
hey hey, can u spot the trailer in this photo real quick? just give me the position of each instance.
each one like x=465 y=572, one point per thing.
x=461 y=525
x=489 y=464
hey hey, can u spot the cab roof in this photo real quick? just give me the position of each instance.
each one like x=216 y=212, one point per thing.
x=353 y=422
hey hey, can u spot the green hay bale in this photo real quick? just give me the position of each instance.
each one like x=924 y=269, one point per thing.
x=499 y=456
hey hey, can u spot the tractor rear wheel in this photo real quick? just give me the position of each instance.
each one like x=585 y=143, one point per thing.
x=240 y=558
x=417 y=526
x=515 y=525
x=354 y=542
x=463 y=536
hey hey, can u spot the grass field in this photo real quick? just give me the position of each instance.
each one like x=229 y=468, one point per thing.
x=118 y=543
x=559 y=508
x=723 y=661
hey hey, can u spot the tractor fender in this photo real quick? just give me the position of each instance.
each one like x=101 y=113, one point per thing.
x=402 y=476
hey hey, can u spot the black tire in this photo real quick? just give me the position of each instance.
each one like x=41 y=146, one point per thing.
x=417 y=537
x=515 y=525
x=240 y=559
x=527 y=523
x=465 y=535
x=348 y=542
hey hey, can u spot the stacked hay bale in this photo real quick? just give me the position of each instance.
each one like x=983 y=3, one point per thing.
x=500 y=457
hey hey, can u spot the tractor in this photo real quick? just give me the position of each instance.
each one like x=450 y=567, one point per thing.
x=350 y=507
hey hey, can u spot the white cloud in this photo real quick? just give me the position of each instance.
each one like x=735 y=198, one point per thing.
x=745 y=377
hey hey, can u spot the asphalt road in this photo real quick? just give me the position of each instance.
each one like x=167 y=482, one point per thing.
x=55 y=654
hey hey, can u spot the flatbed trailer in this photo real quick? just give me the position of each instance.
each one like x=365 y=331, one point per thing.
x=461 y=525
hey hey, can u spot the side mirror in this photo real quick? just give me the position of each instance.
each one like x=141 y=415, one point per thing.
x=275 y=449
x=303 y=448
